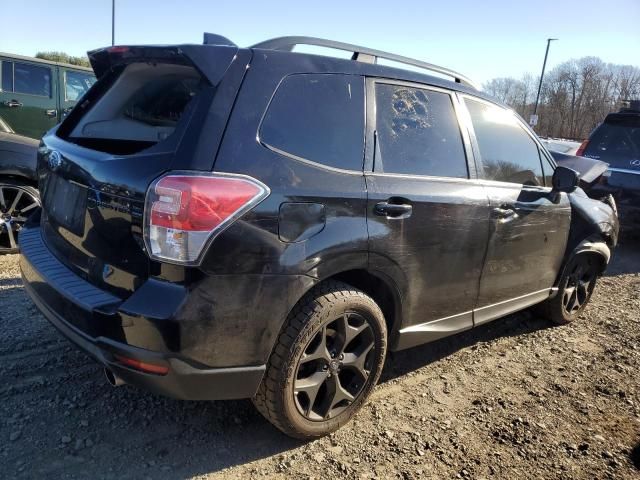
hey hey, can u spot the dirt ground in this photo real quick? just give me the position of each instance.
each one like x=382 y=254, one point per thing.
x=516 y=398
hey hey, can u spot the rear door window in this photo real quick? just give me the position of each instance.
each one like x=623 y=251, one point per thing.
x=317 y=118
x=7 y=76
x=507 y=152
x=417 y=133
x=31 y=79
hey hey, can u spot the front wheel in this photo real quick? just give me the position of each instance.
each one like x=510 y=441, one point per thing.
x=326 y=362
x=574 y=289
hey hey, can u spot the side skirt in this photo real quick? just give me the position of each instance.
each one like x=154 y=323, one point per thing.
x=428 y=332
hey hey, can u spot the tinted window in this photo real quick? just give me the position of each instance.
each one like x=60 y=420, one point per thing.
x=616 y=142
x=76 y=85
x=417 y=133
x=318 y=118
x=162 y=101
x=32 y=79
x=508 y=153
x=7 y=76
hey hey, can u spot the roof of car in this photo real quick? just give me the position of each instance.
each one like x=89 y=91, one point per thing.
x=41 y=60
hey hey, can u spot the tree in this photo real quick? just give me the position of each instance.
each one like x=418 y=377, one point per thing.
x=64 y=58
x=576 y=95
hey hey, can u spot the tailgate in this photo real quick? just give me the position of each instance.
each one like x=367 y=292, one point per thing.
x=145 y=115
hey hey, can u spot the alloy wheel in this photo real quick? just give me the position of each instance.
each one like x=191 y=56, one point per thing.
x=335 y=367
x=16 y=204
x=580 y=284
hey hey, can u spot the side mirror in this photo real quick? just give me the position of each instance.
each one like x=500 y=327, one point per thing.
x=565 y=180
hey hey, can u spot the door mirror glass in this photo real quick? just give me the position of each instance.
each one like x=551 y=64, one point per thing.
x=565 y=180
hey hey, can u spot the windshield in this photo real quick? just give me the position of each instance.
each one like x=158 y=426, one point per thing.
x=617 y=143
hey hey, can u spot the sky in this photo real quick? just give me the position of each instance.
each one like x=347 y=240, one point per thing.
x=482 y=39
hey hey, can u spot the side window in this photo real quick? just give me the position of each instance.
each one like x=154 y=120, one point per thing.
x=76 y=84
x=417 y=133
x=318 y=117
x=7 y=76
x=507 y=152
x=32 y=79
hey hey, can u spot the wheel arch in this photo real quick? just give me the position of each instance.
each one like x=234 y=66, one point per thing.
x=19 y=179
x=594 y=245
x=376 y=285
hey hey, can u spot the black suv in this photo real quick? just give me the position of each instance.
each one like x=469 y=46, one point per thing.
x=223 y=222
x=617 y=142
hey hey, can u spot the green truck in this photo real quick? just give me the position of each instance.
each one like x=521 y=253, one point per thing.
x=35 y=94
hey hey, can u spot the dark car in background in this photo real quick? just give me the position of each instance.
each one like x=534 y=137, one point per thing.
x=35 y=95
x=616 y=141
x=18 y=195
x=222 y=222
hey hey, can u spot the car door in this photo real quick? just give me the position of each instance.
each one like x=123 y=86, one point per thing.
x=28 y=100
x=529 y=222
x=428 y=218
x=73 y=85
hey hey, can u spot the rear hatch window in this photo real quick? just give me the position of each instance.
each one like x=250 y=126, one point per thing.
x=617 y=142
x=141 y=107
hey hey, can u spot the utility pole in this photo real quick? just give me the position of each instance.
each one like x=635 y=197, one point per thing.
x=533 y=121
x=113 y=23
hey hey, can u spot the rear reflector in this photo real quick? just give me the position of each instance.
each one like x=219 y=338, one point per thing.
x=184 y=211
x=142 y=366
x=582 y=148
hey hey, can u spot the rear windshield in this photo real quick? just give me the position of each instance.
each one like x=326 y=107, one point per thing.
x=617 y=142
x=141 y=107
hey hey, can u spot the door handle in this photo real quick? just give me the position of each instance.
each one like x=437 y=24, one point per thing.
x=505 y=212
x=51 y=113
x=393 y=210
x=12 y=103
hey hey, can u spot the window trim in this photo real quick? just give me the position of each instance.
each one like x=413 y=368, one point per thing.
x=2 y=62
x=51 y=83
x=523 y=126
x=371 y=136
x=304 y=160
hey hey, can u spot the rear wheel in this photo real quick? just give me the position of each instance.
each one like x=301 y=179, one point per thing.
x=574 y=289
x=17 y=202
x=326 y=362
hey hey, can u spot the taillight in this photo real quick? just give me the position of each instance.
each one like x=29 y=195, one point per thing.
x=582 y=148
x=184 y=211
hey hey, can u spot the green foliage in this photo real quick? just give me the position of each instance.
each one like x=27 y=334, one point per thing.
x=64 y=58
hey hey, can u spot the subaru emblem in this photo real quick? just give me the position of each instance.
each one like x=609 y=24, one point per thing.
x=54 y=160
x=635 y=163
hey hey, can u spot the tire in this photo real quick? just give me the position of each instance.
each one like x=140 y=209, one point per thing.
x=574 y=289
x=307 y=393
x=17 y=202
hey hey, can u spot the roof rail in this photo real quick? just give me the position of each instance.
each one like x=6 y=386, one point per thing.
x=361 y=54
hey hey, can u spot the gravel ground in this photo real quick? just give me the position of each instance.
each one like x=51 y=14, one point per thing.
x=512 y=398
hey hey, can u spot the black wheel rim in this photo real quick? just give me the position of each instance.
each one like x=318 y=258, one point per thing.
x=335 y=367
x=16 y=204
x=582 y=275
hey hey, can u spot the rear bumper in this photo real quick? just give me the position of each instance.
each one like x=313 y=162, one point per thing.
x=70 y=303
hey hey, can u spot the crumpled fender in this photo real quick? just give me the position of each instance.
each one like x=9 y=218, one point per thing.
x=595 y=246
x=592 y=244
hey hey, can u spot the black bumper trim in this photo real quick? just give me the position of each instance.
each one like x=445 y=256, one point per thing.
x=184 y=381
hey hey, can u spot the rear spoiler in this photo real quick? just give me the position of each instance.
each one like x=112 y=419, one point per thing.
x=211 y=60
